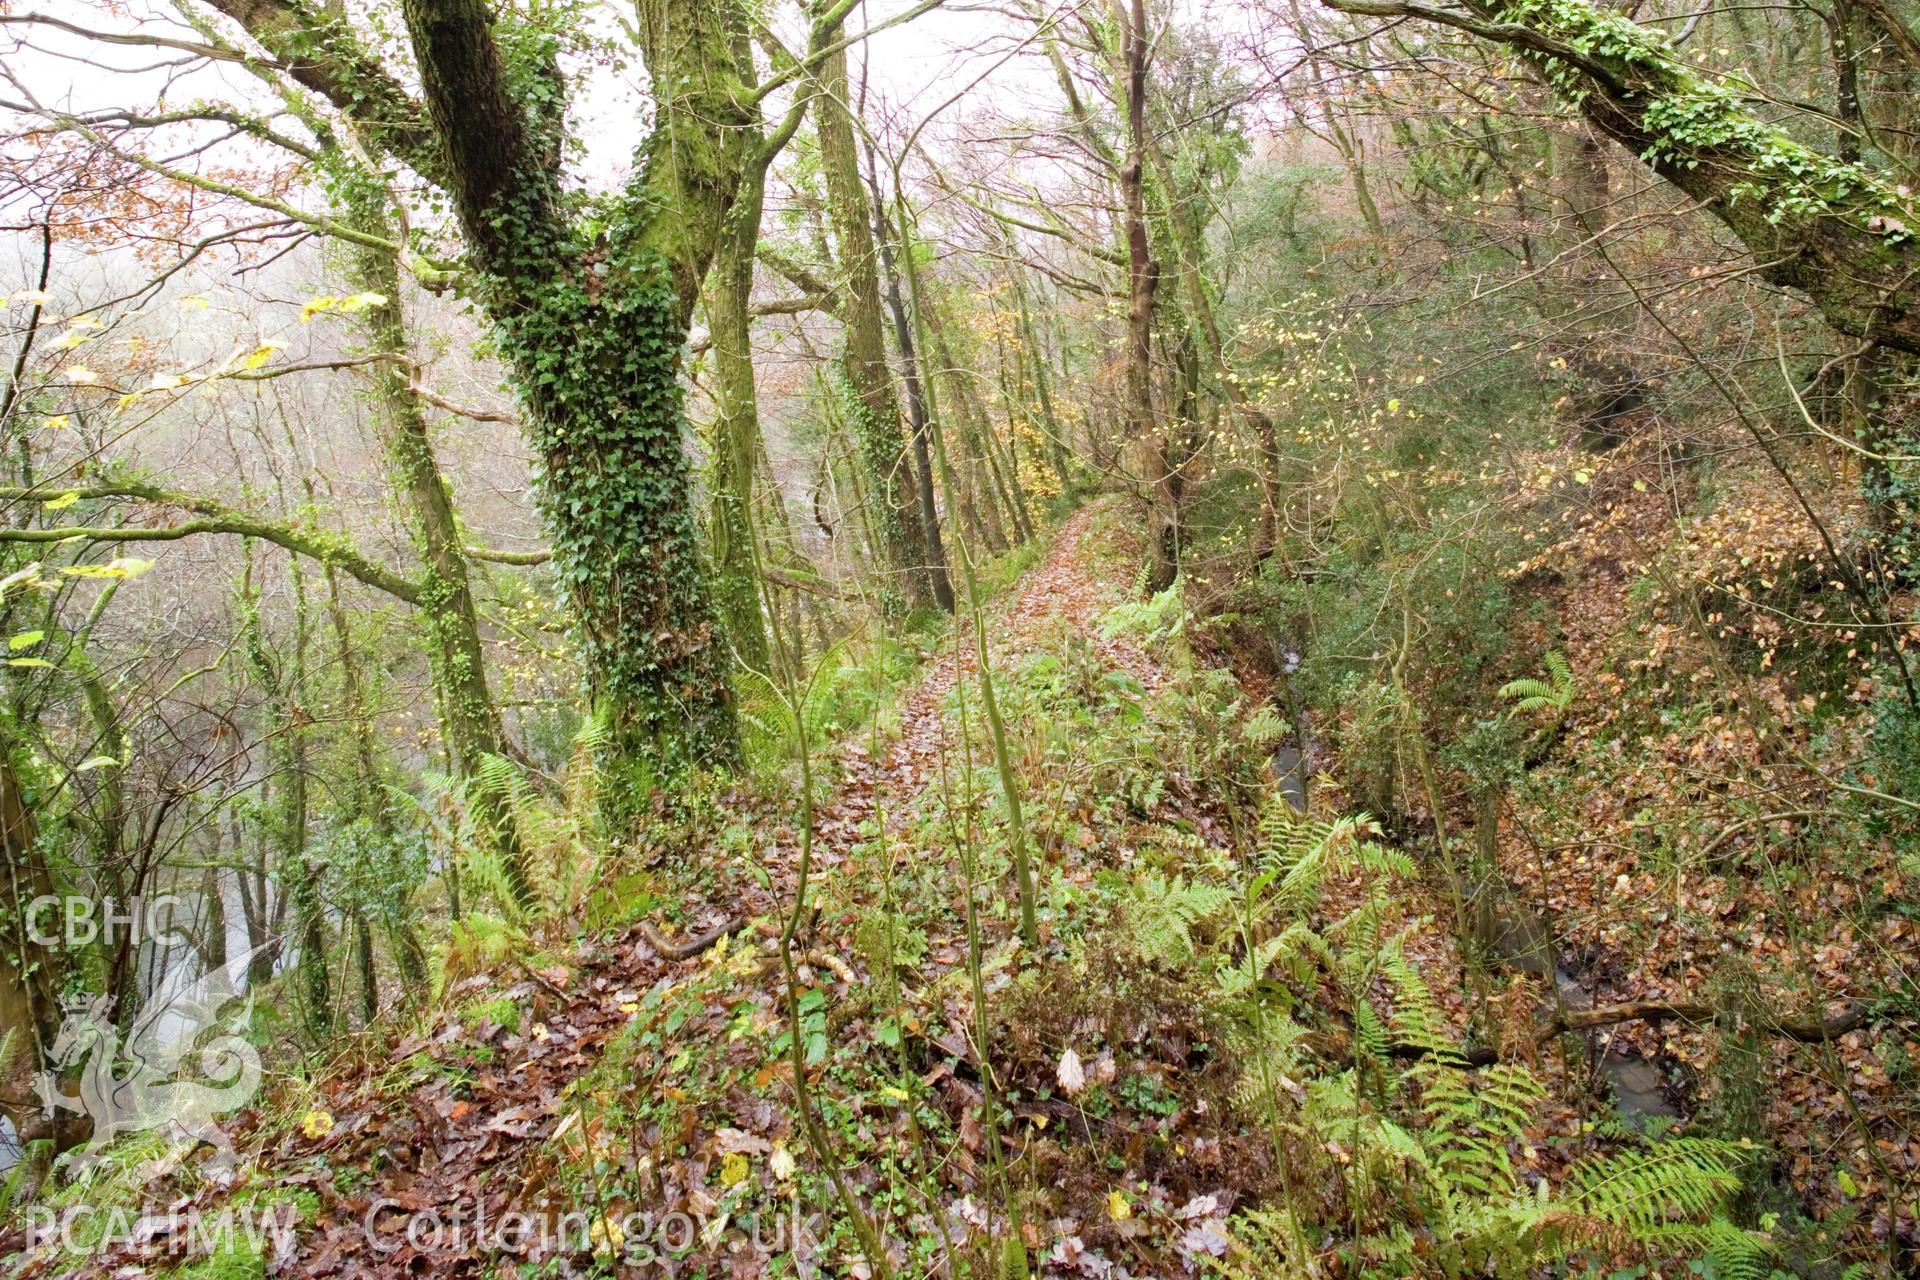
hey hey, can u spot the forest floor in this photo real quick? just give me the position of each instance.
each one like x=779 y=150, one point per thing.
x=583 y=1101
x=596 y=1077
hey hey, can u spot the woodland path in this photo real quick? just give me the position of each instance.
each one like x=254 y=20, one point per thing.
x=1062 y=586
x=458 y=1124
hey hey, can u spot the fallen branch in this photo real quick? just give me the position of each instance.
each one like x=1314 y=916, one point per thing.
x=678 y=951
x=1851 y=1018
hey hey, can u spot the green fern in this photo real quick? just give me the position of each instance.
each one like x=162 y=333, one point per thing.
x=1645 y=1189
x=1264 y=728
x=1163 y=913
x=1554 y=694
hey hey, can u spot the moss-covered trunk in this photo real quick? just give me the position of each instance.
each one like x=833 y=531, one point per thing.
x=284 y=797
x=872 y=405
x=469 y=718
x=31 y=974
x=736 y=430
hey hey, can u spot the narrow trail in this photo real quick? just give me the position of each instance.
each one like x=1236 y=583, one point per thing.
x=1061 y=586
x=458 y=1126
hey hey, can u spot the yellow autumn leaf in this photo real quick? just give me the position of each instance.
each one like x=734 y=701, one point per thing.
x=316 y=1123
x=62 y=502
x=361 y=301
x=58 y=422
x=734 y=1170
x=124 y=567
x=193 y=302
x=1117 y=1206
x=264 y=352
x=33 y=297
x=314 y=306
x=782 y=1162
x=606 y=1234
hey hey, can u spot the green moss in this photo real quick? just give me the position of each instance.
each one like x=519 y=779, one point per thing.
x=500 y=1010
x=1692 y=120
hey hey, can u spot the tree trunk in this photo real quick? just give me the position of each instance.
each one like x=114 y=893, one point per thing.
x=31 y=974
x=975 y=433
x=469 y=719
x=916 y=406
x=1143 y=276
x=391 y=895
x=285 y=736
x=736 y=431
x=872 y=405
x=1057 y=453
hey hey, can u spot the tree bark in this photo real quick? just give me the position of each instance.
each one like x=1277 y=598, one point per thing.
x=873 y=406
x=1143 y=278
x=917 y=410
x=31 y=974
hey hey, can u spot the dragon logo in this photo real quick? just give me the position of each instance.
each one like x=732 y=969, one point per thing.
x=182 y=1066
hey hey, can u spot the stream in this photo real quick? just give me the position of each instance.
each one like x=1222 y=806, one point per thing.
x=1523 y=941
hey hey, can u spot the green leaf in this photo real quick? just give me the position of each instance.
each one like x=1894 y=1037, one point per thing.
x=97 y=762
x=28 y=662
x=26 y=640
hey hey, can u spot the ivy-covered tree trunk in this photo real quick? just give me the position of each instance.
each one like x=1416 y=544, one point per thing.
x=593 y=321
x=591 y=308
x=872 y=404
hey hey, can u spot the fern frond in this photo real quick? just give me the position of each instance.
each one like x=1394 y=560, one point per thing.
x=1164 y=912
x=1264 y=728
x=1645 y=1189
x=1555 y=693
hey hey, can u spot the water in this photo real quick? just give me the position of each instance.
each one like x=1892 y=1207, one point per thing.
x=1290 y=763
x=1523 y=941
